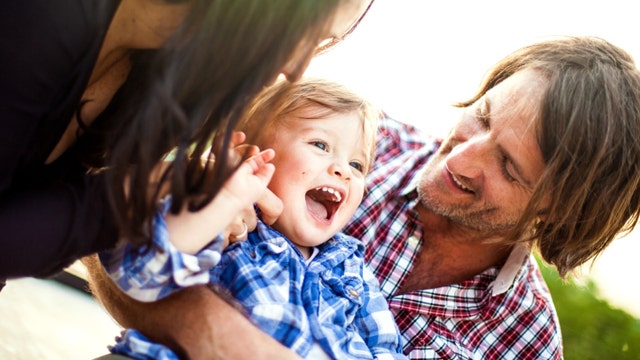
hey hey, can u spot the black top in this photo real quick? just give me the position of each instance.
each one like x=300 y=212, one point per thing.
x=49 y=215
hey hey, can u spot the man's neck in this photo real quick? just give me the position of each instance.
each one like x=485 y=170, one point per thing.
x=451 y=254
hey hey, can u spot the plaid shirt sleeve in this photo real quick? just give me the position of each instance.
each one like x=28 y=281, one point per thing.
x=151 y=272
x=376 y=323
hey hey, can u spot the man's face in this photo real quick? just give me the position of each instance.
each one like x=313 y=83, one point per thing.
x=485 y=171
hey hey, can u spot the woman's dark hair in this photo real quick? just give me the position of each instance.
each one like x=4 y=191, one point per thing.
x=190 y=94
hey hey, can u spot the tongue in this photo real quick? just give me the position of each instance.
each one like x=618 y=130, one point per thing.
x=316 y=208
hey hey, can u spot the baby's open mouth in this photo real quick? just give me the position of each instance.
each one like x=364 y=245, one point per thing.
x=323 y=202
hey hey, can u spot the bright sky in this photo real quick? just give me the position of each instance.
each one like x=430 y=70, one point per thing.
x=415 y=57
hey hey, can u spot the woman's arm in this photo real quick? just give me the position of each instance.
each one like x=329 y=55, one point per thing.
x=195 y=322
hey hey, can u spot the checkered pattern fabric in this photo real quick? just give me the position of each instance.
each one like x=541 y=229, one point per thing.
x=470 y=320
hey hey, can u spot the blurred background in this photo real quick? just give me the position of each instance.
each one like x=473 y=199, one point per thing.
x=413 y=58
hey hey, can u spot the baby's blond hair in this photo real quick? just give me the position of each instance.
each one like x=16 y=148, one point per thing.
x=284 y=98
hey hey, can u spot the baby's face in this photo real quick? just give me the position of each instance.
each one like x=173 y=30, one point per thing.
x=320 y=175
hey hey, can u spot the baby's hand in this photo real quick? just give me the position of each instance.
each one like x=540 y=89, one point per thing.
x=249 y=182
x=270 y=205
x=190 y=231
x=247 y=186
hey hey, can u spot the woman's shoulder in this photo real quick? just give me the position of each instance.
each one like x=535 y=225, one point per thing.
x=44 y=40
x=47 y=55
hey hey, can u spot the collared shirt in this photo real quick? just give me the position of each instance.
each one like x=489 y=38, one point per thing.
x=331 y=300
x=501 y=313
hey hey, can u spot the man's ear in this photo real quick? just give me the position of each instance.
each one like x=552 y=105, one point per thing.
x=542 y=215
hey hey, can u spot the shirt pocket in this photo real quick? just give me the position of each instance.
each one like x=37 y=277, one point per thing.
x=341 y=296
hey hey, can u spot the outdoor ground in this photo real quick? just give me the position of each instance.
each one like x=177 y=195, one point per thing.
x=45 y=319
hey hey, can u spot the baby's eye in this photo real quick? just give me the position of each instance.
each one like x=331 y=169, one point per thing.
x=320 y=145
x=357 y=165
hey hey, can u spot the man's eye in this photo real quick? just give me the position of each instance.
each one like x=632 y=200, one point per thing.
x=357 y=165
x=482 y=117
x=505 y=171
x=320 y=145
x=482 y=113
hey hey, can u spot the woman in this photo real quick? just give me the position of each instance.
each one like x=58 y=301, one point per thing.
x=93 y=95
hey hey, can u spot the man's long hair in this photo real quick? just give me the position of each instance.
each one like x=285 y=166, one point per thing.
x=588 y=128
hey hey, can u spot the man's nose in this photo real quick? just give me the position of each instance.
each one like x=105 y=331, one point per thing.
x=469 y=159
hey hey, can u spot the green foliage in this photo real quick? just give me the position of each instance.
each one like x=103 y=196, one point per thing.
x=591 y=328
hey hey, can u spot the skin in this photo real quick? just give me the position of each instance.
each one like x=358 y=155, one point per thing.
x=136 y=24
x=473 y=190
x=314 y=154
x=244 y=187
x=483 y=176
x=193 y=228
x=181 y=226
x=212 y=334
x=452 y=251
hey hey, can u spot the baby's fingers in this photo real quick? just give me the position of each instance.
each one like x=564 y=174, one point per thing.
x=259 y=161
x=237 y=138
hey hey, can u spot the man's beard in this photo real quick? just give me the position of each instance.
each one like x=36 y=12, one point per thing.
x=478 y=217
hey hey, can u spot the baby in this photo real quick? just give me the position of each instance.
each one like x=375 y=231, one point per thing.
x=299 y=280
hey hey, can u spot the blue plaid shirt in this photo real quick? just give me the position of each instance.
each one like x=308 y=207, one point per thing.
x=151 y=272
x=332 y=300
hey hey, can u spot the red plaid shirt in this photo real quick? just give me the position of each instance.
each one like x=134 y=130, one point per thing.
x=502 y=313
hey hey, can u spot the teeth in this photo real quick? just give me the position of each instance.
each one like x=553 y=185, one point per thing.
x=459 y=184
x=336 y=195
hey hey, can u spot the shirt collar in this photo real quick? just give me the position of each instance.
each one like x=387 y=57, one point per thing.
x=467 y=299
x=508 y=275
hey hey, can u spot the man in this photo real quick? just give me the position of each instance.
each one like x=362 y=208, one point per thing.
x=545 y=155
